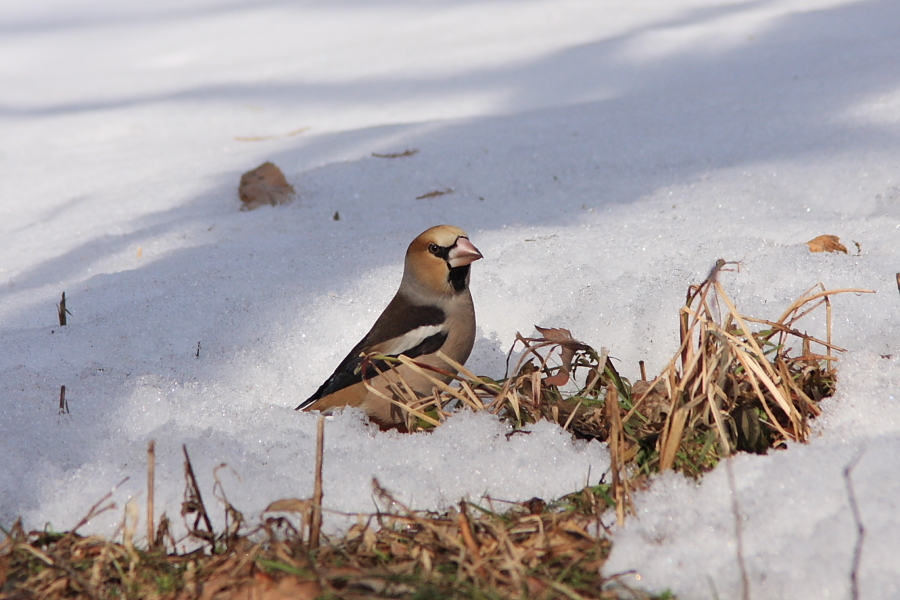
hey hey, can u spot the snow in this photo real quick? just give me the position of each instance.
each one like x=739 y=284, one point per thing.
x=602 y=156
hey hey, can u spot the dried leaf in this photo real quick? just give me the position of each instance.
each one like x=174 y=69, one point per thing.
x=652 y=397
x=264 y=185
x=289 y=505
x=560 y=379
x=826 y=243
x=555 y=334
x=568 y=345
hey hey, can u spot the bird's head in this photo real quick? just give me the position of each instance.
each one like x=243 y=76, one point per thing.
x=439 y=259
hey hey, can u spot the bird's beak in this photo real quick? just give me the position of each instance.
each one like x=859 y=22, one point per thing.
x=463 y=253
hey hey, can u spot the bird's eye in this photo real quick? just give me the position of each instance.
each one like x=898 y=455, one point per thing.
x=434 y=249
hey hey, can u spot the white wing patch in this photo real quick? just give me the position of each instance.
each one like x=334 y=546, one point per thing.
x=408 y=340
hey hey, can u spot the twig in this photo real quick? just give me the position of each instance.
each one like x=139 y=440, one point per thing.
x=62 y=311
x=63 y=403
x=738 y=532
x=572 y=414
x=96 y=510
x=234 y=519
x=616 y=462
x=194 y=502
x=315 y=524
x=828 y=326
x=151 y=489
x=860 y=530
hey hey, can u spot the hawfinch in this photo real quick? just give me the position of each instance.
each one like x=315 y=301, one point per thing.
x=431 y=311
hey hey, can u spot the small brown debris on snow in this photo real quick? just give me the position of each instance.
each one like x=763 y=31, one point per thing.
x=396 y=154
x=264 y=185
x=826 y=243
x=435 y=194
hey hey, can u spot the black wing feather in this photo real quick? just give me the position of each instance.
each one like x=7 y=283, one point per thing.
x=350 y=371
x=399 y=318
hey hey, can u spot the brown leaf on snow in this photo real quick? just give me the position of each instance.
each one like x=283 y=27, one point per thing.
x=289 y=505
x=826 y=243
x=568 y=345
x=556 y=334
x=264 y=185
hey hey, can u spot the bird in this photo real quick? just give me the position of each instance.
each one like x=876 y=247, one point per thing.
x=432 y=311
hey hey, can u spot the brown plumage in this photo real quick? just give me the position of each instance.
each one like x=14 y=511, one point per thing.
x=431 y=311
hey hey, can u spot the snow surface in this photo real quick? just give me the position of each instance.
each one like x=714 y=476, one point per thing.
x=602 y=156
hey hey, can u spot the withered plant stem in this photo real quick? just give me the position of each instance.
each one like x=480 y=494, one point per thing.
x=194 y=490
x=96 y=509
x=465 y=530
x=315 y=523
x=151 y=490
x=828 y=320
x=62 y=311
x=616 y=462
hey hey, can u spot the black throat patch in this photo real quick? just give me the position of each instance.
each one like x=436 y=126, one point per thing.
x=458 y=277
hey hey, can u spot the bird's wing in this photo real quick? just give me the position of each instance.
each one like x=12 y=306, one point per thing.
x=403 y=328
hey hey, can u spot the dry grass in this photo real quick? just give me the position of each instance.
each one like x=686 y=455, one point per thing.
x=530 y=550
x=735 y=384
